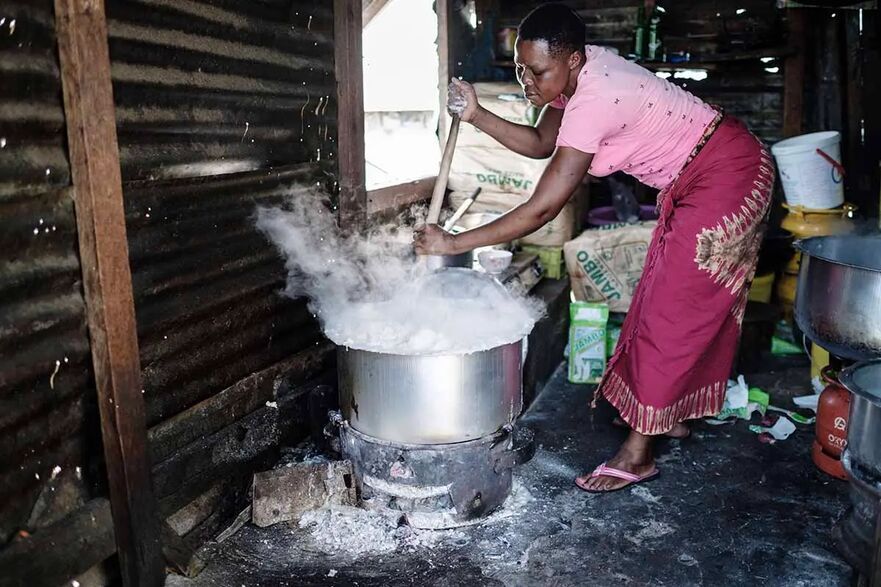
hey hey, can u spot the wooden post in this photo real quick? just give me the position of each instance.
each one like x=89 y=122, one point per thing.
x=830 y=66
x=859 y=170
x=794 y=74
x=347 y=32
x=97 y=182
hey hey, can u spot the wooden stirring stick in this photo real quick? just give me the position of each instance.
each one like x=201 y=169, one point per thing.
x=443 y=174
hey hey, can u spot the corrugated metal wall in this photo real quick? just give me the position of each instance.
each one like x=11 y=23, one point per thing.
x=48 y=415
x=221 y=106
x=207 y=88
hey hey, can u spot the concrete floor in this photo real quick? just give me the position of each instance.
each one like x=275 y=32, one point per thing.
x=726 y=510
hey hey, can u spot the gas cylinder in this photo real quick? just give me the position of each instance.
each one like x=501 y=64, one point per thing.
x=831 y=430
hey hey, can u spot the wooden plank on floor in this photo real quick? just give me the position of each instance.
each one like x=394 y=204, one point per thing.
x=66 y=549
x=347 y=33
x=235 y=402
x=94 y=162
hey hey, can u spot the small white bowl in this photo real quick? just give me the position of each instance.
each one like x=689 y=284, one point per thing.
x=494 y=261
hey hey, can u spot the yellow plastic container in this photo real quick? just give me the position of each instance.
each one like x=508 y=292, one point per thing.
x=819 y=360
x=762 y=288
x=552 y=261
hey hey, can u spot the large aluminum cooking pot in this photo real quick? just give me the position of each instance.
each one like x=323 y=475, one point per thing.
x=864 y=423
x=838 y=303
x=465 y=260
x=430 y=399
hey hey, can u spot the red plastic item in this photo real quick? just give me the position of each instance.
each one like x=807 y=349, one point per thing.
x=829 y=159
x=833 y=408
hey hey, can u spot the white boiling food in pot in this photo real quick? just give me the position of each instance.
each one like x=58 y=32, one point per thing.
x=454 y=311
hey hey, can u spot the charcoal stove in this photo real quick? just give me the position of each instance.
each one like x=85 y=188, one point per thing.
x=435 y=485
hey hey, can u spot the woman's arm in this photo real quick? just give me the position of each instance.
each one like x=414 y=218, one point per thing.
x=559 y=180
x=530 y=141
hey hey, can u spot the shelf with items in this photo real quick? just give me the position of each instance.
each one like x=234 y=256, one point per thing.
x=704 y=62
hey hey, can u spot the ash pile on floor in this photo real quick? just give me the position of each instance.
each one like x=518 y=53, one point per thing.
x=355 y=532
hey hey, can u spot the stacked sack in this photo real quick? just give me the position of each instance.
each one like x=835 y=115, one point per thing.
x=606 y=263
x=505 y=178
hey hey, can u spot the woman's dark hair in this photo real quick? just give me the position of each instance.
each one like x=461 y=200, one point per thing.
x=556 y=24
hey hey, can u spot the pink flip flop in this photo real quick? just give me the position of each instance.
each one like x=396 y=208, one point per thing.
x=605 y=471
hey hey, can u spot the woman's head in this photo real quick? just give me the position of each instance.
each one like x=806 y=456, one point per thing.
x=549 y=52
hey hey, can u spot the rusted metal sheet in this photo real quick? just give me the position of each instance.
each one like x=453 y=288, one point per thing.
x=221 y=106
x=208 y=286
x=32 y=155
x=210 y=88
x=48 y=414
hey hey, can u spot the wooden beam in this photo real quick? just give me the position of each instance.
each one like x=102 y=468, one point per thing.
x=179 y=553
x=66 y=549
x=97 y=182
x=371 y=10
x=235 y=402
x=347 y=32
x=794 y=74
x=858 y=185
x=829 y=72
x=396 y=196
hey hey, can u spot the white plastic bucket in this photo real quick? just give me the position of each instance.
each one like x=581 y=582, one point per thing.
x=809 y=179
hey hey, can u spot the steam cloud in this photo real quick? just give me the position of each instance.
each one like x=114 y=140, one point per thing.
x=372 y=293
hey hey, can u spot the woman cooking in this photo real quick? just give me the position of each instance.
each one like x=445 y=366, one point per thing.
x=604 y=114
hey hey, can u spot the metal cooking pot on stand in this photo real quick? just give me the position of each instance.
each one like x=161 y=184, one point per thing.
x=433 y=436
x=430 y=399
x=464 y=260
x=838 y=306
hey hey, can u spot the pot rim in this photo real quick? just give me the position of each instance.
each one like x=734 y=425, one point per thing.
x=801 y=244
x=495 y=349
x=846 y=378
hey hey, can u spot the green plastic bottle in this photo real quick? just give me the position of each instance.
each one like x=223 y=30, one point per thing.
x=654 y=43
x=639 y=34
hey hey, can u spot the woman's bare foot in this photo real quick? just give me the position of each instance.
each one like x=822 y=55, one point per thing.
x=679 y=432
x=634 y=456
